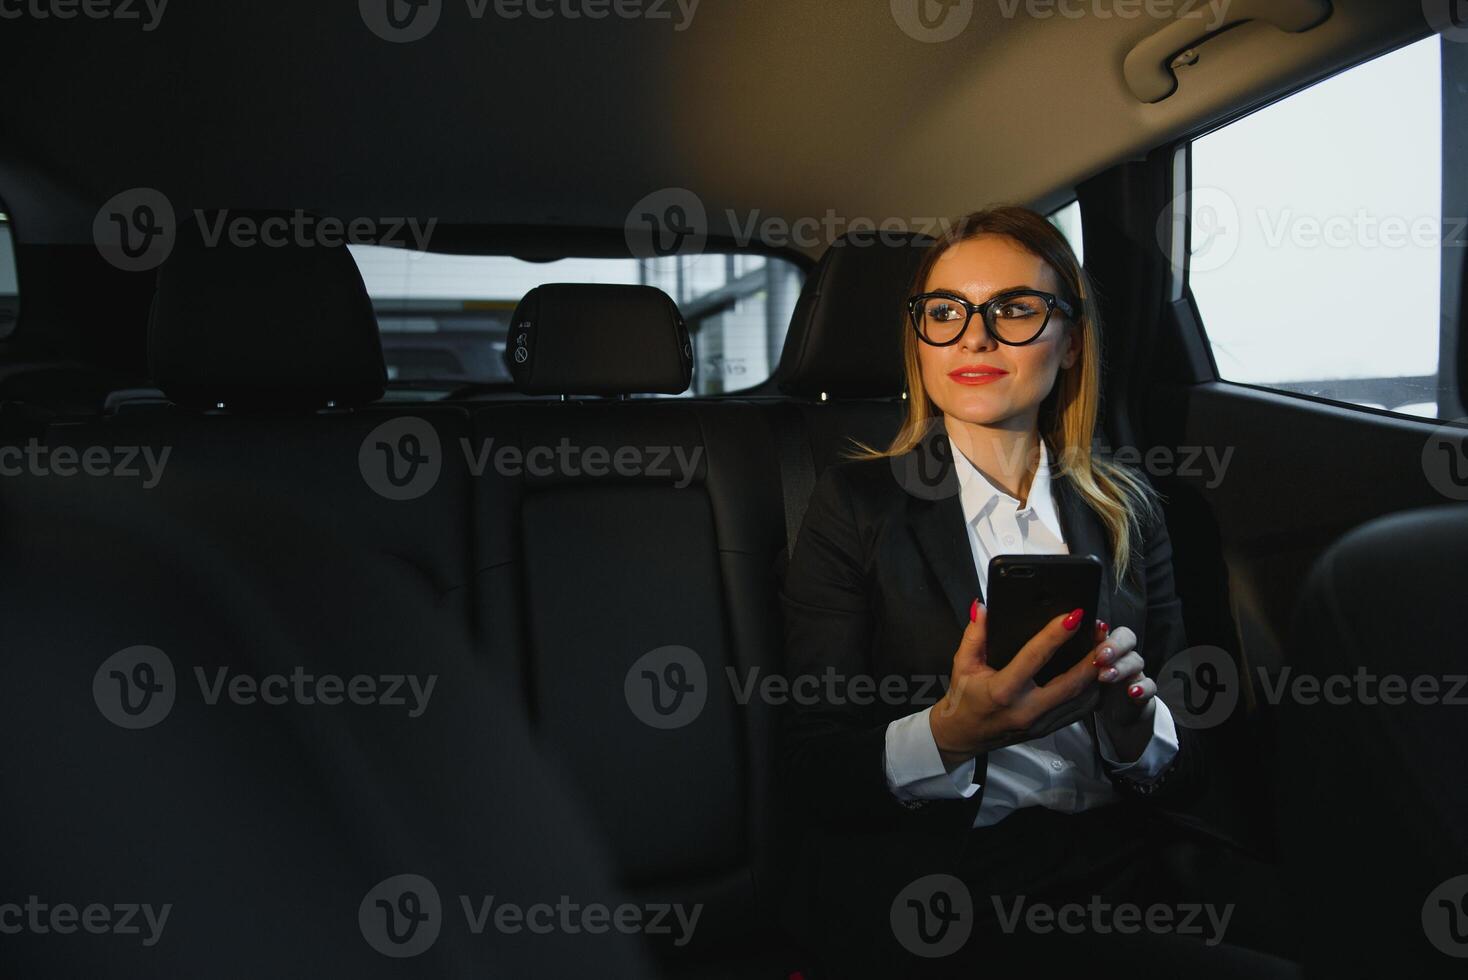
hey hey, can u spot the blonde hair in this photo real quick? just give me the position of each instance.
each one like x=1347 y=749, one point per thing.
x=1121 y=498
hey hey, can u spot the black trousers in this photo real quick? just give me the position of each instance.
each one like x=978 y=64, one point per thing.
x=1118 y=886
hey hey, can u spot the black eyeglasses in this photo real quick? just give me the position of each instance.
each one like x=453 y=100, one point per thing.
x=1016 y=317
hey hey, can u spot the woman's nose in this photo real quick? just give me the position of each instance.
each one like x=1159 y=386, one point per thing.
x=976 y=337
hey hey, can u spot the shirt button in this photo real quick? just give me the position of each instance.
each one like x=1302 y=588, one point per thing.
x=1057 y=765
x=1009 y=539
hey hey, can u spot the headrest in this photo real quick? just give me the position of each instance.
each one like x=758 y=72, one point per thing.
x=585 y=339
x=283 y=325
x=845 y=336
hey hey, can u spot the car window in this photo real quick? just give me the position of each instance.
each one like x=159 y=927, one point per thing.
x=9 y=284
x=444 y=317
x=1320 y=239
x=1068 y=220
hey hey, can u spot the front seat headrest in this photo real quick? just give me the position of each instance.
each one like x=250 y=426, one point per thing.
x=592 y=339
x=285 y=325
x=845 y=336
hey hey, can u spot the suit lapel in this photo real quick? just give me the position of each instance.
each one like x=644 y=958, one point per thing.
x=1085 y=535
x=935 y=516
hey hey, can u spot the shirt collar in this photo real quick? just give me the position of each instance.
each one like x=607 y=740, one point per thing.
x=979 y=496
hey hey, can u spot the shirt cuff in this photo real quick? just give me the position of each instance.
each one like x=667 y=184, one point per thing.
x=915 y=769
x=1155 y=758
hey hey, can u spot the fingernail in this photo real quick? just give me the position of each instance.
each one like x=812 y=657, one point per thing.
x=973 y=612
x=1109 y=674
x=1073 y=619
x=1102 y=625
x=1135 y=690
x=1105 y=657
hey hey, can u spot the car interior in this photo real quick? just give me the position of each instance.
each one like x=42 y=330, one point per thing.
x=394 y=395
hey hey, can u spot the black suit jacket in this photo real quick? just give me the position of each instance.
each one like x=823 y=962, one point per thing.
x=880 y=586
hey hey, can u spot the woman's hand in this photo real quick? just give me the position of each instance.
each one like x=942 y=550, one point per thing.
x=986 y=709
x=1126 y=690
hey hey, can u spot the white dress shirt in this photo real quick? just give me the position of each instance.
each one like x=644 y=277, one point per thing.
x=1059 y=770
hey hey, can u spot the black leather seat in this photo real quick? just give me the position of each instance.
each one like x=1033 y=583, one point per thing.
x=1372 y=791
x=273 y=544
x=629 y=581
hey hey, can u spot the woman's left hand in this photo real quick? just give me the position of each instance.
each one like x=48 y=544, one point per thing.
x=1126 y=689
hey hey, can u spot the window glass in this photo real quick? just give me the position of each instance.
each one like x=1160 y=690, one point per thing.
x=444 y=318
x=9 y=286
x=1319 y=239
x=1068 y=220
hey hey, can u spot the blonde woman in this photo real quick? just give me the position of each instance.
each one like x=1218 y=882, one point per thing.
x=1016 y=789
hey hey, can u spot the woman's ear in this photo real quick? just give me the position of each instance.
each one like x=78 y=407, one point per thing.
x=1072 y=346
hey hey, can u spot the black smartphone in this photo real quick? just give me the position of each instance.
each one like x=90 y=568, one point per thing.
x=1027 y=591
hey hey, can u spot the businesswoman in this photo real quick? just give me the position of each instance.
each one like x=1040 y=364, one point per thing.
x=1021 y=791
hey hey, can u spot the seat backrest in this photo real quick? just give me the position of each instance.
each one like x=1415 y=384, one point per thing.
x=240 y=662
x=625 y=555
x=1376 y=661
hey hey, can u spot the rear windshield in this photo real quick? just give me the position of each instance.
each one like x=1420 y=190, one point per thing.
x=444 y=318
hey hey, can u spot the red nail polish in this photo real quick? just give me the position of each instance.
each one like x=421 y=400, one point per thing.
x=1102 y=626
x=1073 y=619
x=1135 y=690
x=973 y=612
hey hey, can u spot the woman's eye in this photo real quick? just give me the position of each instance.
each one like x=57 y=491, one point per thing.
x=943 y=312
x=1017 y=311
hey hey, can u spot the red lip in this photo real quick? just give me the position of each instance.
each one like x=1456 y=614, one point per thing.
x=977 y=374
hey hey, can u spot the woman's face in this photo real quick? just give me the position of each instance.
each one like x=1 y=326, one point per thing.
x=1017 y=379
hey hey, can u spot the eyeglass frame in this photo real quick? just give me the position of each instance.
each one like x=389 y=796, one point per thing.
x=986 y=309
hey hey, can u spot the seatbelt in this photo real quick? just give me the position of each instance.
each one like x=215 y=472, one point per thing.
x=797 y=472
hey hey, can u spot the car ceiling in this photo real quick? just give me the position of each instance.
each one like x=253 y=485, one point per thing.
x=761 y=107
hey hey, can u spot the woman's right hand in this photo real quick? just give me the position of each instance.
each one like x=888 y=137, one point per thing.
x=986 y=709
